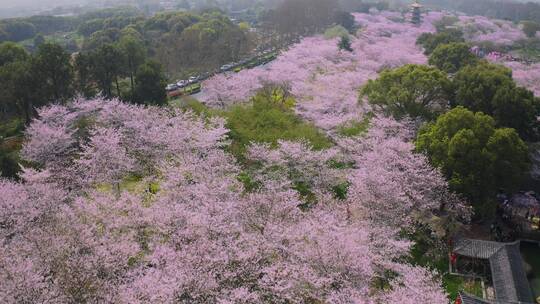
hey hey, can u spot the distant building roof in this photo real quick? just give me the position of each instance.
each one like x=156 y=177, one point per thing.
x=470 y=299
x=509 y=277
x=476 y=248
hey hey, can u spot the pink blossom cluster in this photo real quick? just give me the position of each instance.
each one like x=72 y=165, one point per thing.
x=483 y=29
x=385 y=166
x=324 y=79
x=480 y=29
x=294 y=162
x=526 y=75
x=199 y=236
x=93 y=141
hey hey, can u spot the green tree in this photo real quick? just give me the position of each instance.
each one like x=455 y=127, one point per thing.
x=430 y=41
x=411 y=90
x=477 y=158
x=345 y=44
x=83 y=74
x=476 y=86
x=91 y=26
x=8 y=103
x=21 y=86
x=530 y=28
x=134 y=52
x=452 y=57
x=336 y=32
x=11 y=52
x=38 y=40
x=9 y=163
x=3 y=34
x=517 y=108
x=346 y=20
x=490 y=89
x=107 y=63
x=101 y=38
x=203 y=44
x=18 y=30
x=150 y=84
x=53 y=66
x=21 y=89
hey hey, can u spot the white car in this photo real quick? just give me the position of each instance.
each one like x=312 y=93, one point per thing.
x=171 y=87
x=193 y=79
x=226 y=67
x=182 y=83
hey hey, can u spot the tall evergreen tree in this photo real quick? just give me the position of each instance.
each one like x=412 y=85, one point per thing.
x=133 y=50
x=150 y=84
x=53 y=67
x=106 y=68
x=345 y=44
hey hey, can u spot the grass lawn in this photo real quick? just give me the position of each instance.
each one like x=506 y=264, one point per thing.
x=355 y=128
x=132 y=184
x=453 y=284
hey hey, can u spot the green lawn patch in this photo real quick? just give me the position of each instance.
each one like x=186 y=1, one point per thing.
x=270 y=118
x=354 y=128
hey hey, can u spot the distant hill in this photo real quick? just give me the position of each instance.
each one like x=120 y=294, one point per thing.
x=25 y=8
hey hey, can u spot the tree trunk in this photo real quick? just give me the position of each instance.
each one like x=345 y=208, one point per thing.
x=131 y=72
x=117 y=86
x=132 y=87
x=28 y=112
x=117 y=189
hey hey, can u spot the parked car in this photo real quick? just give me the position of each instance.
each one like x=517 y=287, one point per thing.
x=226 y=67
x=182 y=83
x=193 y=89
x=193 y=79
x=205 y=76
x=171 y=87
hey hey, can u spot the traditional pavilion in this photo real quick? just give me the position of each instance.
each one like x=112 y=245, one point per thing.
x=506 y=269
x=416 y=12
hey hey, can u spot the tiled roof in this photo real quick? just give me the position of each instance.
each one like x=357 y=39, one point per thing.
x=477 y=248
x=507 y=271
x=470 y=299
x=509 y=277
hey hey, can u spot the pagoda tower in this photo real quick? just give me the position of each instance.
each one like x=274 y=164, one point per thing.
x=416 y=12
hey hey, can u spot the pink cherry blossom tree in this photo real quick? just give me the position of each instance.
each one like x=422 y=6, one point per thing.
x=104 y=159
x=200 y=236
x=294 y=163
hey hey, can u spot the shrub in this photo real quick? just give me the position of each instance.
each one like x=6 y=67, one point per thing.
x=336 y=32
x=269 y=118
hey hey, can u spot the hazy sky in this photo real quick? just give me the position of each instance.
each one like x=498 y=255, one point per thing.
x=45 y=4
x=39 y=3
